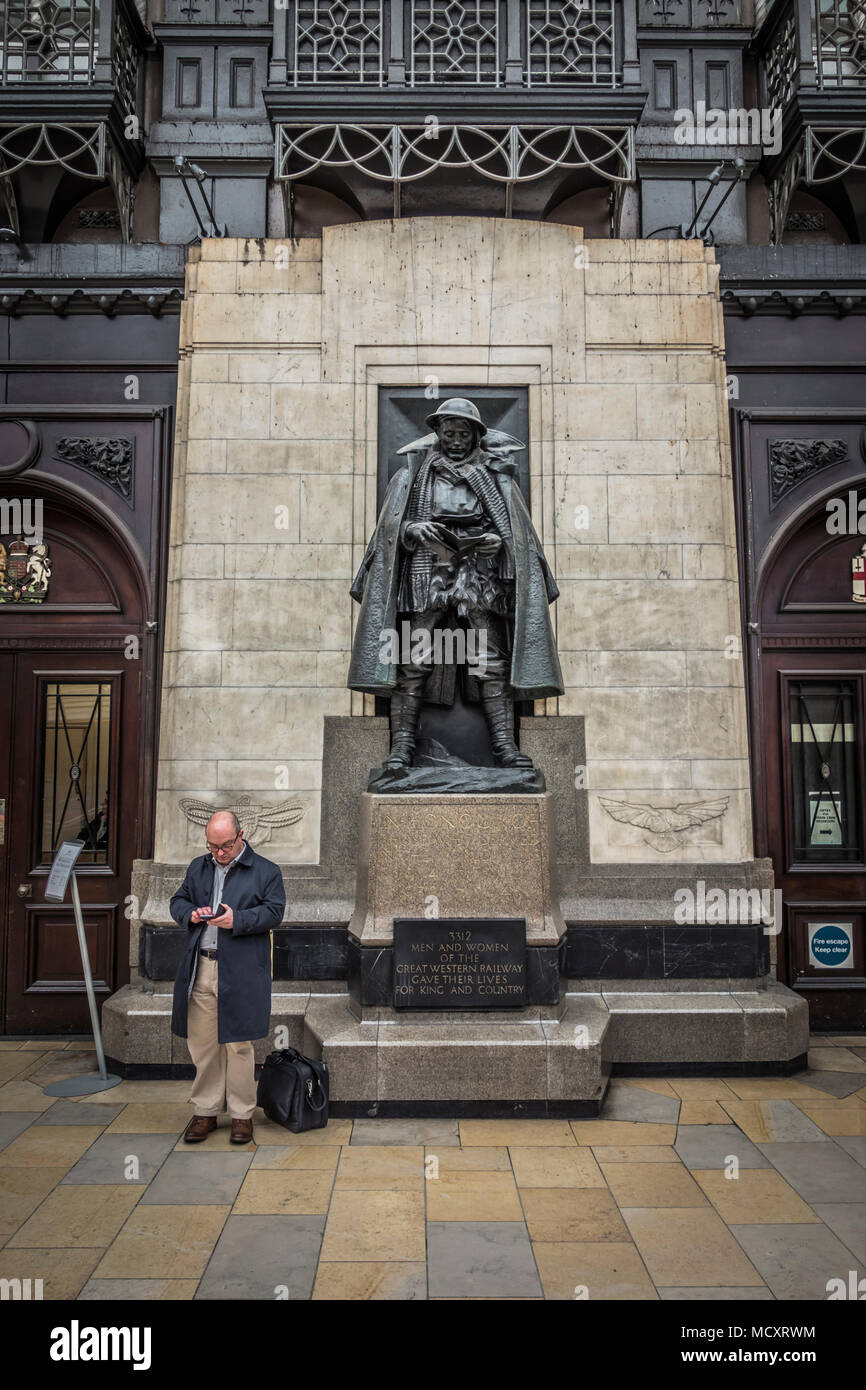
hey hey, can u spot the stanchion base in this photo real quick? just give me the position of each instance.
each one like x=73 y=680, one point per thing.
x=82 y=1085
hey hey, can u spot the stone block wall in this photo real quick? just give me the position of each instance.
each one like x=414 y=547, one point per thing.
x=283 y=348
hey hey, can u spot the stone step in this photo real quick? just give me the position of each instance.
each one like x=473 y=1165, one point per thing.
x=542 y=1060
x=420 y=1063
x=655 y=1029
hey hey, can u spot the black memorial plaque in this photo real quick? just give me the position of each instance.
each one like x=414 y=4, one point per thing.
x=459 y=963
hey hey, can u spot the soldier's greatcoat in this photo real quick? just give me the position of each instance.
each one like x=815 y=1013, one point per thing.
x=535 y=670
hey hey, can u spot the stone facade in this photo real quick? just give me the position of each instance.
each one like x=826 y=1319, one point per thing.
x=283 y=348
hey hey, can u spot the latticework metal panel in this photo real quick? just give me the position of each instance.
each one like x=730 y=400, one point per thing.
x=338 y=42
x=840 y=27
x=124 y=56
x=44 y=41
x=781 y=190
x=573 y=42
x=780 y=62
x=455 y=41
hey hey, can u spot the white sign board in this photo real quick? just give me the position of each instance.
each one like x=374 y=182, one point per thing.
x=825 y=816
x=64 y=863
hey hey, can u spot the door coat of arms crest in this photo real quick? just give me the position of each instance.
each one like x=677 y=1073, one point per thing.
x=25 y=571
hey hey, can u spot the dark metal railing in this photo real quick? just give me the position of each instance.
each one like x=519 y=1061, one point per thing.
x=813 y=44
x=421 y=43
x=80 y=42
x=47 y=42
x=840 y=43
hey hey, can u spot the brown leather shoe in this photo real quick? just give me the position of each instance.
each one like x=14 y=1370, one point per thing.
x=242 y=1131
x=199 y=1128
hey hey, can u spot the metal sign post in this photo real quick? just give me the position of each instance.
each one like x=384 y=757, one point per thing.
x=63 y=874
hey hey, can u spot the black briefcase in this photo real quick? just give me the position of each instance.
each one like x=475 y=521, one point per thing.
x=293 y=1090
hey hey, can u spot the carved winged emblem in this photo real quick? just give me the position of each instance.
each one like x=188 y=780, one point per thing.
x=665 y=822
x=256 y=821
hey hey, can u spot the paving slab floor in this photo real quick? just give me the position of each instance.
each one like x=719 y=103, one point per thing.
x=683 y=1188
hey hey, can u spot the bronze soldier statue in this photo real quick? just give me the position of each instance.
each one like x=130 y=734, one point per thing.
x=455 y=547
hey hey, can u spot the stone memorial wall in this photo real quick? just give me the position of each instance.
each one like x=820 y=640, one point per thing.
x=284 y=346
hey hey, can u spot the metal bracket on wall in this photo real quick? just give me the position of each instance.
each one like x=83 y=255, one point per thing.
x=712 y=181
x=186 y=169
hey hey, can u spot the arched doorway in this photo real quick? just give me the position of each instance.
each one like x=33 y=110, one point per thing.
x=77 y=676
x=809 y=700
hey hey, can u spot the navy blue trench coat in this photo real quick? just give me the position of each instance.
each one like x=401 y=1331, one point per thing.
x=255 y=893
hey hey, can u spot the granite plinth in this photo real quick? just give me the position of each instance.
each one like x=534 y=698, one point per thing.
x=461 y=856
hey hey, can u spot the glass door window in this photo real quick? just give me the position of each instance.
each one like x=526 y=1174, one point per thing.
x=76 y=768
x=824 y=758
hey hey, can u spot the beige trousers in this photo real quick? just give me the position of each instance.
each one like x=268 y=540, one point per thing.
x=224 y=1072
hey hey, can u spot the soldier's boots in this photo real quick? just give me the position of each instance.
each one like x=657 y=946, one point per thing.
x=497 y=706
x=499 y=714
x=405 y=710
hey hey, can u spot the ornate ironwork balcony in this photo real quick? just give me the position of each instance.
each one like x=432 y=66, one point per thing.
x=840 y=43
x=84 y=41
x=71 y=82
x=404 y=91
x=480 y=43
x=813 y=44
x=812 y=62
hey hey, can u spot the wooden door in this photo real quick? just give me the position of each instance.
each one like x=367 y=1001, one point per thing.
x=76 y=732
x=7 y=670
x=816 y=822
x=73 y=775
x=809 y=731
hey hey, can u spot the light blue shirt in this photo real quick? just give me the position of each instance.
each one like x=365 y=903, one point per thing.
x=210 y=938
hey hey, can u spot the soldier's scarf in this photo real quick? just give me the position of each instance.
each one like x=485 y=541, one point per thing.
x=420 y=508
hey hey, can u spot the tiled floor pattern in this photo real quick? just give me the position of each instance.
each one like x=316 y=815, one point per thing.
x=743 y=1188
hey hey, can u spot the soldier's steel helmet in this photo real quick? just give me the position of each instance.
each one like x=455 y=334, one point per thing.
x=462 y=410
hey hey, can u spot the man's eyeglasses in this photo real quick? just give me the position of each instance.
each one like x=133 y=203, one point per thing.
x=218 y=849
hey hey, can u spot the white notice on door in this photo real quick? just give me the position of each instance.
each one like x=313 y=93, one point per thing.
x=61 y=868
x=825 y=815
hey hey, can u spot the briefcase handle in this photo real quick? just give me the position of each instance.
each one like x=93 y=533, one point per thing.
x=317 y=1108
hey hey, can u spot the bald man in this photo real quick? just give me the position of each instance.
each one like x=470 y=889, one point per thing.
x=230 y=900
